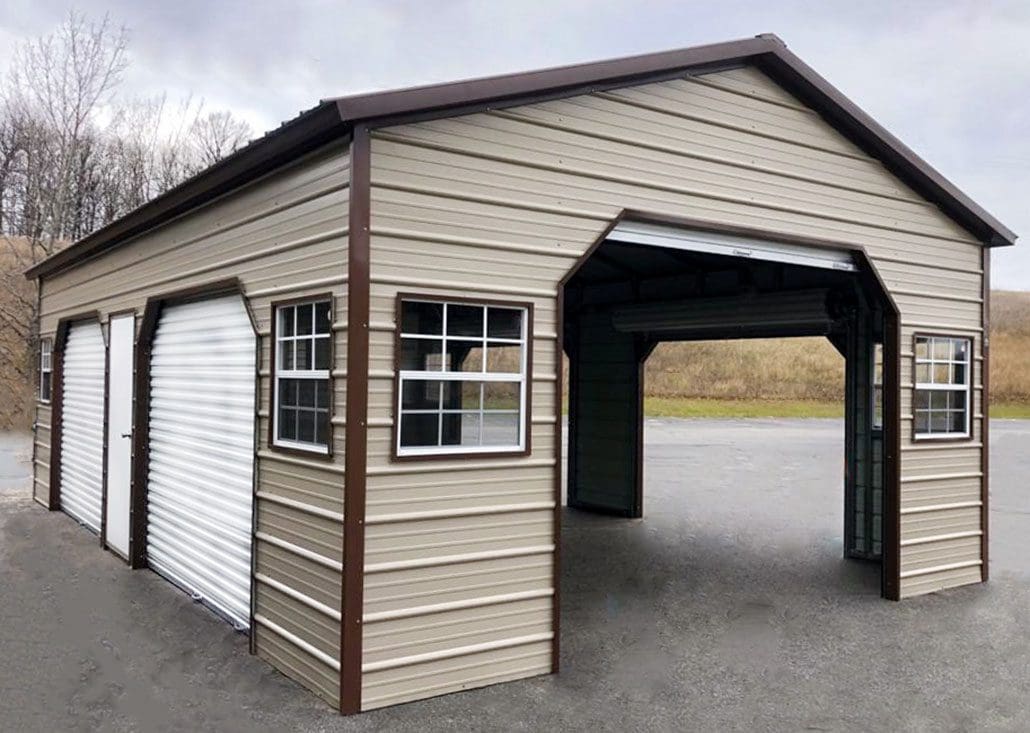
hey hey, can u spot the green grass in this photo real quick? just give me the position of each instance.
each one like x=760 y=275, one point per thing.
x=706 y=407
x=1011 y=410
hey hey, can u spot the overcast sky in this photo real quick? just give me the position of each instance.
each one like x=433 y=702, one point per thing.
x=951 y=79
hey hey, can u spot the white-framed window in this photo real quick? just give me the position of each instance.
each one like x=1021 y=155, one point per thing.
x=302 y=353
x=46 y=369
x=877 y=386
x=462 y=377
x=942 y=393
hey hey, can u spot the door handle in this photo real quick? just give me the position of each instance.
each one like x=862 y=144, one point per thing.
x=126 y=435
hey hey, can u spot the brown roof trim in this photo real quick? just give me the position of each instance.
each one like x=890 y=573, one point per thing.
x=335 y=117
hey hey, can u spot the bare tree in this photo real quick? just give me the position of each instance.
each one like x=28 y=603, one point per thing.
x=75 y=156
x=216 y=135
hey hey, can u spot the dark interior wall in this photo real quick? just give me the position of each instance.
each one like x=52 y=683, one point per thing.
x=604 y=417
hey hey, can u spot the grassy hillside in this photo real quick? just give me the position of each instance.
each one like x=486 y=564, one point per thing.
x=806 y=375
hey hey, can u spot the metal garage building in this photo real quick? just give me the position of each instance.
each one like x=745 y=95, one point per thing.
x=329 y=368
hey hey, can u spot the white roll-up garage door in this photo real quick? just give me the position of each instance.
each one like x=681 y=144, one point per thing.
x=82 y=423
x=199 y=495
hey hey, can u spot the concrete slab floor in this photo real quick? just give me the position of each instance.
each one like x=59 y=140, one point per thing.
x=727 y=608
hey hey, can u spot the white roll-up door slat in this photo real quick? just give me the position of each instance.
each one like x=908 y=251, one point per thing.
x=82 y=424
x=200 y=484
x=731 y=245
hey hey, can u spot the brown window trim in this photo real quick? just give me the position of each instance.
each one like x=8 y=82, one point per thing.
x=527 y=448
x=970 y=416
x=274 y=357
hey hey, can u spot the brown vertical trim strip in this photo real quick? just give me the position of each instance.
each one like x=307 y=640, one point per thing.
x=559 y=353
x=104 y=451
x=140 y=434
x=985 y=433
x=56 y=420
x=891 y=578
x=356 y=450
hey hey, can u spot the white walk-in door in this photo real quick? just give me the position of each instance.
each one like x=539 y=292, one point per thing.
x=201 y=457
x=82 y=423
x=121 y=333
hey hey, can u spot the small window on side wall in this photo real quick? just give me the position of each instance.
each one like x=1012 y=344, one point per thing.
x=878 y=387
x=45 y=369
x=462 y=377
x=942 y=392
x=301 y=392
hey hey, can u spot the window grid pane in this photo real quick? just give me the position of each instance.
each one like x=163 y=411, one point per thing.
x=941 y=401
x=470 y=359
x=303 y=348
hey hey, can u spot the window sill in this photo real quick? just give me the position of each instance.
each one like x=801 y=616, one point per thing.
x=464 y=454
x=302 y=450
x=941 y=437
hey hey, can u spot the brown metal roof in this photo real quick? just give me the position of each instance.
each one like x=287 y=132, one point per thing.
x=336 y=117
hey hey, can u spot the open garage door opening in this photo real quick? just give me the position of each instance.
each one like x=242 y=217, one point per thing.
x=647 y=284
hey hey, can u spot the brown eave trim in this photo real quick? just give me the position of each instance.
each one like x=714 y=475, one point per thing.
x=356 y=435
x=376 y=108
x=306 y=132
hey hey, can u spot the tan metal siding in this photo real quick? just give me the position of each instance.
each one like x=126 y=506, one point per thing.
x=500 y=204
x=284 y=236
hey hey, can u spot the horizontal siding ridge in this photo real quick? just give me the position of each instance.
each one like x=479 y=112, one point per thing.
x=301 y=506
x=936 y=296
x=217 y=231
x=707 y=80
x=598 y=216
x=939 y=327
x=457 y=605
x=940 y=507
x=269 y=455
x=467 y=465
x=460 y=651
x=454 y=513
x=941 y=477
x=431 y=562
x=298 y=642
x=942 y=538
x=752 y=201
x=298 y=596
x=473 y=242
x=300 y=551
x=310 y=284
x=750 y=166
x=941 y=568
x=463 y=285
x=916 y=447
x=614 y=96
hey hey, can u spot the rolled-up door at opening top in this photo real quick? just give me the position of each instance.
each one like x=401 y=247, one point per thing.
x=82 y=423
x=201 y=459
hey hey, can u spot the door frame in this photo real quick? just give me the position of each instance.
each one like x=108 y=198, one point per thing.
x=132 y=420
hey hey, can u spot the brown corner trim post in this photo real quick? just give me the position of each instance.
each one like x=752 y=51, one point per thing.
x=985 y=432
x=355 y=453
